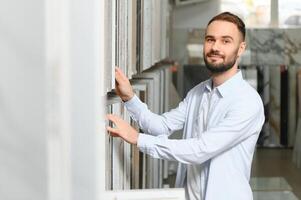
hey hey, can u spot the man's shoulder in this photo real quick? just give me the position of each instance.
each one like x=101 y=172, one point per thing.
x=249 y=90
x=248 y=96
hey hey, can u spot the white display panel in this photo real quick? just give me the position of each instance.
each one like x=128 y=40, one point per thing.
x=137 y=39
x=149 y=194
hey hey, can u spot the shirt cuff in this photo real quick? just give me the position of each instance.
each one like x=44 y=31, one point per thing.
x=145 y=142
x=134 y=104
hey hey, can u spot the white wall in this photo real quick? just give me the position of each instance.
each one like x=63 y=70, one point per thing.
x=86 y=95
x=195 y=15
x=42 y=139
x=22 y=101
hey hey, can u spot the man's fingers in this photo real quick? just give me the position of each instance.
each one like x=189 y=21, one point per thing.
x=115 y=119
x=114 y=132
x=119 y=74
x=114 y=135
x=112 y=118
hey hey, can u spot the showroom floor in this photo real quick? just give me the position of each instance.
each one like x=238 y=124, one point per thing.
x=275 y=176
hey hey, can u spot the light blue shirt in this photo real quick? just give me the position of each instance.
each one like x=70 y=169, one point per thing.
x=220 y=130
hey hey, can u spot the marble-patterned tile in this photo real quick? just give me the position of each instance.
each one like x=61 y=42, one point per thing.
x=269 y=184
x=264 y=77
x=275 y=195
x=267 y=46
x=297 y=146
x=292 y=104
x=275 y=105
x=292 y=38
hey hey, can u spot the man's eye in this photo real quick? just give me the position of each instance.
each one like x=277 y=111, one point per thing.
x=210 y=40
x=226 y=41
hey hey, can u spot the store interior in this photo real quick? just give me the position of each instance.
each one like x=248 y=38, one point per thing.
x=57 y=85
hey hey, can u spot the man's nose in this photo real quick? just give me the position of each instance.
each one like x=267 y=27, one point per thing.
x=215 y=46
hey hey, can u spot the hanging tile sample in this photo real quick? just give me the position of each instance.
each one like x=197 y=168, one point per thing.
x=292 y=105
x=283 y=105
x=267 y=46
x=274 y=111
x=110 y=43
x=136 y=39
x=297 y=146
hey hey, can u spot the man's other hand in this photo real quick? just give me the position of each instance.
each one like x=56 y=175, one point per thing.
x=122 y=129
x=123 y=86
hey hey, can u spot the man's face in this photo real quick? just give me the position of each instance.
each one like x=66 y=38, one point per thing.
x=222 y=46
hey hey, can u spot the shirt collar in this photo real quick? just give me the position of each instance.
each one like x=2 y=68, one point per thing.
x=208 y=85
x=227 y=87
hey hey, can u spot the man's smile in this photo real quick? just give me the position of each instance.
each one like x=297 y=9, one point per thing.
x=214 y=57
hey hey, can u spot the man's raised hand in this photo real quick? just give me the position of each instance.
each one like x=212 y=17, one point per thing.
x=123 y=86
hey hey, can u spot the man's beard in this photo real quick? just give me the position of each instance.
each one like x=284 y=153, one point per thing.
x=221 y=67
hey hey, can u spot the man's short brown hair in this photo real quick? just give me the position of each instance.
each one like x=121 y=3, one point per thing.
x=229 y=17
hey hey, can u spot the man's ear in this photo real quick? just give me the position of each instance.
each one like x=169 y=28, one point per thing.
x=242 y=48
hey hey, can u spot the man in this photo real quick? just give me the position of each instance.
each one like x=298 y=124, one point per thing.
x=221 y=120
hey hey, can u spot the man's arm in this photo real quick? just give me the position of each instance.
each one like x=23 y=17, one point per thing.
x=148 y=121
x=237 y=126
x=155 y=124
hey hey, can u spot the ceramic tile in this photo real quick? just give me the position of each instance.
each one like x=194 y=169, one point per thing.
x=147 y=34
x=292 y=104
x=267 y=46
x=274 y=106
x=297 y=147
x=292 y=40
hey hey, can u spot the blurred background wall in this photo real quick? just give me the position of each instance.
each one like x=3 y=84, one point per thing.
x=23 y=168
